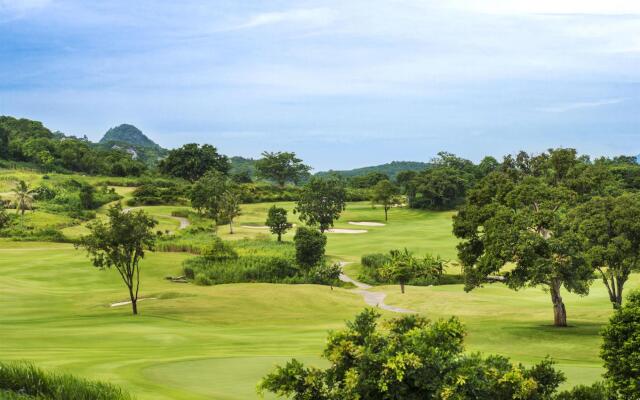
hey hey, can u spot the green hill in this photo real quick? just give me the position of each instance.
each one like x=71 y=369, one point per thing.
x=390 y=169
x=129 y=134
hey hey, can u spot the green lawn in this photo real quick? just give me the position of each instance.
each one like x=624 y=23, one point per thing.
x=216 y=342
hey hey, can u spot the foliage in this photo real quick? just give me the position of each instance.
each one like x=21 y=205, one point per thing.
x=121 y=243
x=385 y=193
x=192 y=161
x=86 y=197
x=158 y=192
x=281 y=167
x=206 y=194
x=230 y=204
x=597 y=391
x=310 y=246
x=611 y=228
x=25 y=381
x=277 y=221
x=321 y=202
x=402 y=267
x=4 y=217
x=128 y=134
x=519 y=216
x=412 y=359
x=367 y=181
x=621 y=349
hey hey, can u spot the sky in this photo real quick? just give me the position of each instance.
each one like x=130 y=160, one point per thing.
x=341 y=83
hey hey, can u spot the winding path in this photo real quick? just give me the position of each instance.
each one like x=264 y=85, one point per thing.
x=184 y=222
x=375 y=299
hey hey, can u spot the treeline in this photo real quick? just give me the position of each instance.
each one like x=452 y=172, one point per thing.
x=26 y=141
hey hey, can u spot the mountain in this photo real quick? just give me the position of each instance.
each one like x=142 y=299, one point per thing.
x=390 y=169
x=130 y=139
x=129 y=134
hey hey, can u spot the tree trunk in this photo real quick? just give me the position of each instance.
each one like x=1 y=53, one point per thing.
x=279 y=237
x=402 y=287
x=134 y=301
x=559 y=310
x=230 y=227
x=385 y=212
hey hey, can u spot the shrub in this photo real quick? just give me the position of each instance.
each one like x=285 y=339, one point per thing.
x=310 y=245
x=597 y=391
x=18 y=380
x=157 y=193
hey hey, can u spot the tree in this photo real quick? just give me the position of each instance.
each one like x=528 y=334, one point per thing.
x=368 y=180
x=621 y=349
x=4 y=217
x=310 y=245
x=230 y=204
x=192 y=161
x=611 y=228
x=519 y=217
x=4 y=143
x=281 y=167
x=440 y=188
x=277 y=221
x=321 y=201
x=386 y=194
x=121 y=244
x=407 y=182
x=23 y=199
x=206 y=195
x=86 y=197
x=401 y=267
x=412 y=359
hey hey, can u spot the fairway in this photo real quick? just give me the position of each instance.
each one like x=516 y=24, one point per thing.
x=217 y=342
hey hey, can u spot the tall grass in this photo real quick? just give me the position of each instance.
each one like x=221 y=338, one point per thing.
x=20 y=380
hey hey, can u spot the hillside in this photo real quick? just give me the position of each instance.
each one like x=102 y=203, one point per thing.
x=390 y=169
x=129 y=134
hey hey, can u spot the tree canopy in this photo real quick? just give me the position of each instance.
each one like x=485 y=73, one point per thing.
x=192 y=161
x=281 y=167
x=321 y=202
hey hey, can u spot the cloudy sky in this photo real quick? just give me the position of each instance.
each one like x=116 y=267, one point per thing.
x=342 y=83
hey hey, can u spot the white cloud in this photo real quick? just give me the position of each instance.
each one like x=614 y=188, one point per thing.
x=578 y=105
x=315 y=17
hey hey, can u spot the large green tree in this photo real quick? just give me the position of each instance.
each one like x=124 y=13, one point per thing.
x=321 y=201
x=621 y=350
x=611 y=228
x=207 y=193
x=281 y=167
x=518 y=218
x=230 y=203
x=192 y=161
x=412 y=359
x=385 y=193
x=121 y=243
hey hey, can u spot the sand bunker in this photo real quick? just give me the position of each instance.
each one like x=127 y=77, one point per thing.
x=352 y=231
x=365 y=223
x=255 y=226
x=124 y=303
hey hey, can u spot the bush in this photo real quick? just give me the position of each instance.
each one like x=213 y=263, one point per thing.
x=424 y=274
x=269 y=269
x=158 y=193
x=597 y=391
x=18 y=380
x=310 y=245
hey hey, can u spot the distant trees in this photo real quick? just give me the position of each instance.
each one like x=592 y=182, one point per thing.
x=4 y=143
x=321 y=202
x=621 y=350
x=519 y=216
x=610 y=227
x=412 y=358
x=281 y=167
x=385 y=193
x=121 y=244
x=277 y=221
x=192 y=161
x=310 y=246
x=368 y=180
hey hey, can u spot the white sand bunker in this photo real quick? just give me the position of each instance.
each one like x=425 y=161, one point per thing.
x=352 y=231
x=365 y=223
x=255 y=226
x=124 y=303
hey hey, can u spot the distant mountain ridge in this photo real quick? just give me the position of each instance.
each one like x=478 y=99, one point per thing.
x=390 y=169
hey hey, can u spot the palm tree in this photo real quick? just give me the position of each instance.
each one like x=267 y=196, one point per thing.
x=24 y=199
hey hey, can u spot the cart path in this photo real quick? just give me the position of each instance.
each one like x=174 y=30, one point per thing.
x=375 y=299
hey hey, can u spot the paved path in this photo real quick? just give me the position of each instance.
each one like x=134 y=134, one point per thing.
x=184 y=222
x=375 y=299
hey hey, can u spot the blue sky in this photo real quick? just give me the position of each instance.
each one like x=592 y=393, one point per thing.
x=342 y=83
